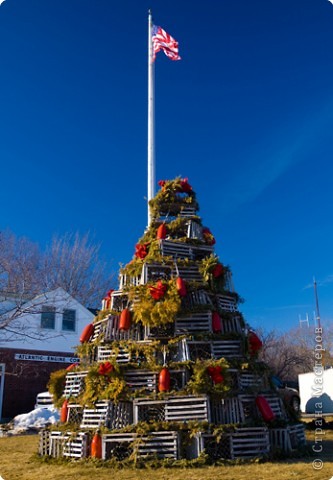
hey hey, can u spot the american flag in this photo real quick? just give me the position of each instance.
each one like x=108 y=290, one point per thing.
x=163 y=41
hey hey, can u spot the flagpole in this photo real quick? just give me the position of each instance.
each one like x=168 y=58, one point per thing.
x=151 y=115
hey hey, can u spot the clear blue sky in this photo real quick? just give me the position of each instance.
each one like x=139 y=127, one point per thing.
x=246 y=115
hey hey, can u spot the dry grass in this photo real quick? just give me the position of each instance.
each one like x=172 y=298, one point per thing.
x=18 y=461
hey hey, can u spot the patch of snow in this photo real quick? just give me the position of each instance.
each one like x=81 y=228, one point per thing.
x=36 y=419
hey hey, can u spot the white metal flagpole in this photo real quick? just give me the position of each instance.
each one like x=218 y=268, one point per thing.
x=151 y=115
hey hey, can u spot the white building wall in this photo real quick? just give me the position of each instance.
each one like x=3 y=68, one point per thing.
x=316 y=388
x=29 y=335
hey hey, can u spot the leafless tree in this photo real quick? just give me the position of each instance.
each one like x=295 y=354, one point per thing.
x=291 y=353
x=71 y=262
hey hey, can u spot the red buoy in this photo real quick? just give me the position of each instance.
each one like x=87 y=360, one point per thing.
x=218 y=270
x=164 y=380
x=265 y=409
x=87 y=333
x=64 y=411
x=181 y=287
x=125 y=319
x=161 y=232
x=255 y=344
x=96 y=446
x=216 y=323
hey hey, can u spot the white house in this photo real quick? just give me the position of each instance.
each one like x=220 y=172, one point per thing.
x=37 y=337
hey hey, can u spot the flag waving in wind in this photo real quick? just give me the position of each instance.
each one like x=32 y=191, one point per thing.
x=163 y=41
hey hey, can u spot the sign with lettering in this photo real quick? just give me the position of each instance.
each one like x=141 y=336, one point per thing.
x=45 y=358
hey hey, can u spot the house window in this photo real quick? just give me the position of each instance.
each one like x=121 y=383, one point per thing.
x=68 y=320
x=48 y=317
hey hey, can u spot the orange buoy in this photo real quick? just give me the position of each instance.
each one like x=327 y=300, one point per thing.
x=125 y=319
x=161 y=232
x=71 y=367
x=181 y=287
x=164 y=380
x=265 y=409
x=96 y=446
x=216 y=323
x=87 y=333
x=64 y=411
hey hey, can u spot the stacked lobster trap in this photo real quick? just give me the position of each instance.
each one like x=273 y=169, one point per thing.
x=169 y=369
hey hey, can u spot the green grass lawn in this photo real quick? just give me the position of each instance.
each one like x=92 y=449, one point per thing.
x=18 y=460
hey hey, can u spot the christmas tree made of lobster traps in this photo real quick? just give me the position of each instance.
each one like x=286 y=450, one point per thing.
x=169 y=369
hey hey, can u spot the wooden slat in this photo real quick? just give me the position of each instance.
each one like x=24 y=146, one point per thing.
x=159 y=444
x=183 y=250
x=74 y=383
x=187 y=408
x=227 y=348
x=226 y=302
x=196 y=322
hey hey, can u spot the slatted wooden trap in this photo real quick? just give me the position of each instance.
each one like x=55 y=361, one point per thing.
x=287 y=439
x=171 y=248
x=155 y=444
x=173 y=409
x=67 y=444
x=193 y=323
x=74 y=384
x=242 y=443
x=107 y=414
x=108 y=330
x=226 y=411
x=146 y=380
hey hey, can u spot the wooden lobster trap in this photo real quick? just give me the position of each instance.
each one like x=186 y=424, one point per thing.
x=107 y=330
x=226 y=302
x=151 y=272
x=242 y=443
x=194 y=323
x=195 y=298
x=74 y=384
x=287 y=439
x=172 y=409
x=106 y=352
x=108 y=414
x=233 y=324
x=68 y=444
x=193 y=350
x=160 y=445
x=175 y=249
x=226 y=411
x=145 y=380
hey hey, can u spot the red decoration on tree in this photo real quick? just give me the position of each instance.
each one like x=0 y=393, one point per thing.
x=107 y=300
x=87 y=333
x=161 y=232
x=64 y=411
x=141 y=250
x=158 y=292
x=164 y=380
x=208 y=236
x=105 y=368
x=218 y=270
x=125 y=319
x=181 y=287
x=186 y=187
x=265 y=409
x=215 y=374
x=161 y=183
x=96 y=446
x=216 y=323
x=255 y=344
